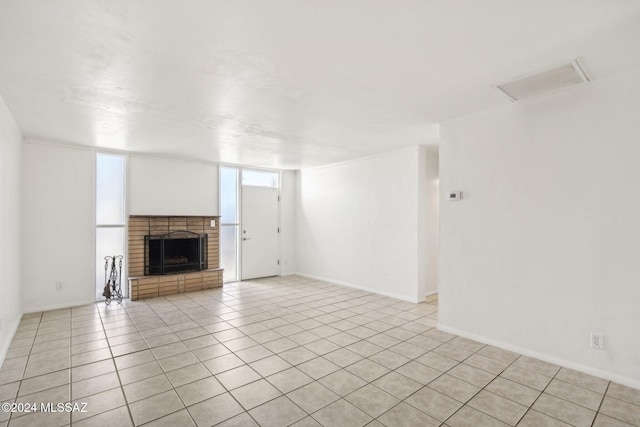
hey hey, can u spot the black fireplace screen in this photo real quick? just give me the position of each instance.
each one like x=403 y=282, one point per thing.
x=178 y=251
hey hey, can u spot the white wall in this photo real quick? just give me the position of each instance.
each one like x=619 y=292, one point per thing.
x=357 y=223
x=288 y=257
x=160 y=186
x=544 y=246
x=10 y=164
x=57 y=226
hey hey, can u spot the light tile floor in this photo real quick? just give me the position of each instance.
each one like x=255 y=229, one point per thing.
x=287 y=351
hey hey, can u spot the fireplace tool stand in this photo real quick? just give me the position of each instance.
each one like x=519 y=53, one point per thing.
x=112 y=279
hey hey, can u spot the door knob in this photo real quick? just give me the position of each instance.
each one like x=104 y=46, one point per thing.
x=246 y=238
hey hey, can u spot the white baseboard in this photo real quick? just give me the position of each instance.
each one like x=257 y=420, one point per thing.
x=431 y=296
x=7 y=344
x=290 y=273
x=58 y=306
x=361 y=288
x=630 y=382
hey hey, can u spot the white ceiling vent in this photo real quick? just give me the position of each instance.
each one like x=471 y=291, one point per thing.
x=567 y=75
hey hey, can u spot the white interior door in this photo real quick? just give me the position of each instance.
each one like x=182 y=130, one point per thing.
x=259 y=232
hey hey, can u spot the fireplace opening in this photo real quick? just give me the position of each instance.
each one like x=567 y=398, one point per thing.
x=175 y=252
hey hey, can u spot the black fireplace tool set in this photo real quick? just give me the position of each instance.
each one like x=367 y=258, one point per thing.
x=112 y=278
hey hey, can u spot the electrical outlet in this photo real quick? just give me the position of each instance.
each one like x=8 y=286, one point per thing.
x=454 y=196
x=597 y=340
x=58 y=286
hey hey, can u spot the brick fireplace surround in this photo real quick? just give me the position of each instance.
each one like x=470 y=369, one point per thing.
x=141 y=286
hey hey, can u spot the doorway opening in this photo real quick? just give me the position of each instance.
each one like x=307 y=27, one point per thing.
x=249 y=223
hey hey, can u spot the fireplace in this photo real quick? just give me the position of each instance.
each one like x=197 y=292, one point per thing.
x=178 y=273
x=175 y=252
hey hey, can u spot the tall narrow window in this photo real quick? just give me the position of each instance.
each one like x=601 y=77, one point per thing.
x=229 y=223
x=110 y=214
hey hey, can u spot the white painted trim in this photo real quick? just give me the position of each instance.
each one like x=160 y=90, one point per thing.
x=153 y=156
x=58 y=306
x=544 y=357
x=115 y=151
x=290 y=273
x=361 y=288
x=56 y=143
x=257 y=168
x=431 y=144
x=360 y=159
x=428 y=294
x=5 y=347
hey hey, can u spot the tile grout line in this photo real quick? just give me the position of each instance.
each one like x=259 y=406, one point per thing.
x=143 y=379
x=264 y=378
x=199 y=362
x=601 y=402
x=212 y=374
x=149 y=348
x=468 y=400
x=24 y=370
x=115 y=367
x=540 y=395
x=363 y=357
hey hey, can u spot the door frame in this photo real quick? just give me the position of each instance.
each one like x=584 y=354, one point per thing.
x=239 y=190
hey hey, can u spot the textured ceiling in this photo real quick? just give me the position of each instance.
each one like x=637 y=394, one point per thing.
x=286 y=84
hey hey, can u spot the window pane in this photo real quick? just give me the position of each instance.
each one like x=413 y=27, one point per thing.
x=109 y=190
x=260 y=178
x=229 y=252
x=109 y=242
x=229 y=195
